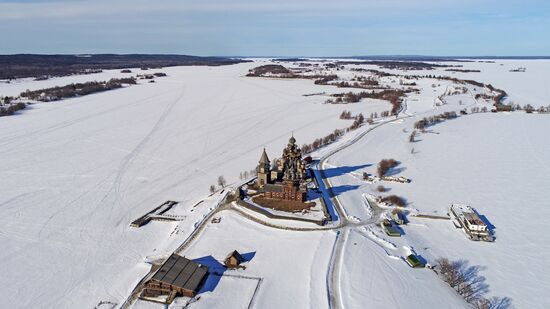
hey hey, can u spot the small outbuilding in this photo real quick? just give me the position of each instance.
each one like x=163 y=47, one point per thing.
x=414 y=261
x=399 y=218
x=390 y=230
x=234 y=260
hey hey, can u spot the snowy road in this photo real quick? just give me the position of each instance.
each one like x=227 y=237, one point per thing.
x=344 y=224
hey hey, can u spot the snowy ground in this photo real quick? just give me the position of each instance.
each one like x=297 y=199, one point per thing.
x=15 y=87
x=528 y=87
x=283 y=259
x=495 y=163
x=371 y=276
x=75 y=173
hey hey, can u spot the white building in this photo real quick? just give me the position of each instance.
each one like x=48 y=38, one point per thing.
x=470 y=221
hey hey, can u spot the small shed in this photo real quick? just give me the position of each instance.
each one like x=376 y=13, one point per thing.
x=390 y=230
x=234 y=260
x=414 y=261
x=399 y=218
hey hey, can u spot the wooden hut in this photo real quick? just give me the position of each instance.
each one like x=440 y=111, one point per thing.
x=234 y=260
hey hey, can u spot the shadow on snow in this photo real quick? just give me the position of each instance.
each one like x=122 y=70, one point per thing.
x=341 y=170
x=335 y=191
x=216 y=270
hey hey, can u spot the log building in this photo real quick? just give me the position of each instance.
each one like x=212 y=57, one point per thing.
x=286 y=180
x=178 y=276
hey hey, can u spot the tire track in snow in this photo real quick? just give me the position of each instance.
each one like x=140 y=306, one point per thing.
x=42 y=131
x=128 y=159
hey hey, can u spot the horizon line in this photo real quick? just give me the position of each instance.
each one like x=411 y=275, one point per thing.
x=279 y=56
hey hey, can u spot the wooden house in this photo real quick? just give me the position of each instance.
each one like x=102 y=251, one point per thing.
x=178 y=276
x=234 y=260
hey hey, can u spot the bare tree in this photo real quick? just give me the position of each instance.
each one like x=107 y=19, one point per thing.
x=395 y=200
x=385 y=165
x=412 y=136
x=212 y=188
x=221 y=181
x=469 y=284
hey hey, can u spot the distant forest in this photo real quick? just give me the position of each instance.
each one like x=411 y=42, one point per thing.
x=28 y=65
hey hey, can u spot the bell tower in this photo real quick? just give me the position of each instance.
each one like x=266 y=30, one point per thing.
x=264 y=172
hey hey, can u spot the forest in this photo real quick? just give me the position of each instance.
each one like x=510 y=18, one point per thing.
x=44 y=66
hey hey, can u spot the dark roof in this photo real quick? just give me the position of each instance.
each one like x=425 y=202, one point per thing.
x=181 y=272
x=237 y=255
x=264 y=159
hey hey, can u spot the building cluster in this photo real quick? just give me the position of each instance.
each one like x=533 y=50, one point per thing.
x=179 y=276
x=286 y=178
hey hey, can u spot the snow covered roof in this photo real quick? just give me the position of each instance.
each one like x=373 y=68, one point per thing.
x=468 y=214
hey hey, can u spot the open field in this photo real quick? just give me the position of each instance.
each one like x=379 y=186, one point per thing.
x=292 y=264
x=495 y=163
x=77 y=172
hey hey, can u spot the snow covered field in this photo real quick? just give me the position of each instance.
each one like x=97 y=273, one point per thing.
x=76 y=172
x=292 y=264
x=529 y=87
x=371 y=276
x=495 y=163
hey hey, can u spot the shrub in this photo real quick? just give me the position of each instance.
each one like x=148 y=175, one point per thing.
x=395 y=200
x=10 y=110
x=345 y=115
x=385 y=165
x=325 y=79
x=412 y=136
x=221 y=181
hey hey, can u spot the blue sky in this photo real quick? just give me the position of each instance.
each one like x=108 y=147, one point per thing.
x=277 y=28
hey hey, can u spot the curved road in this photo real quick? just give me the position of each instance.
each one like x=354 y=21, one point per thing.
x=333 y=281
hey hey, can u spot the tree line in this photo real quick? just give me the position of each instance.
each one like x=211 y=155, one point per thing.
x=44 y=66
x=394 y=96
x=432 y=120
x=11 y=108
x=73 y=90
x=469 y=284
